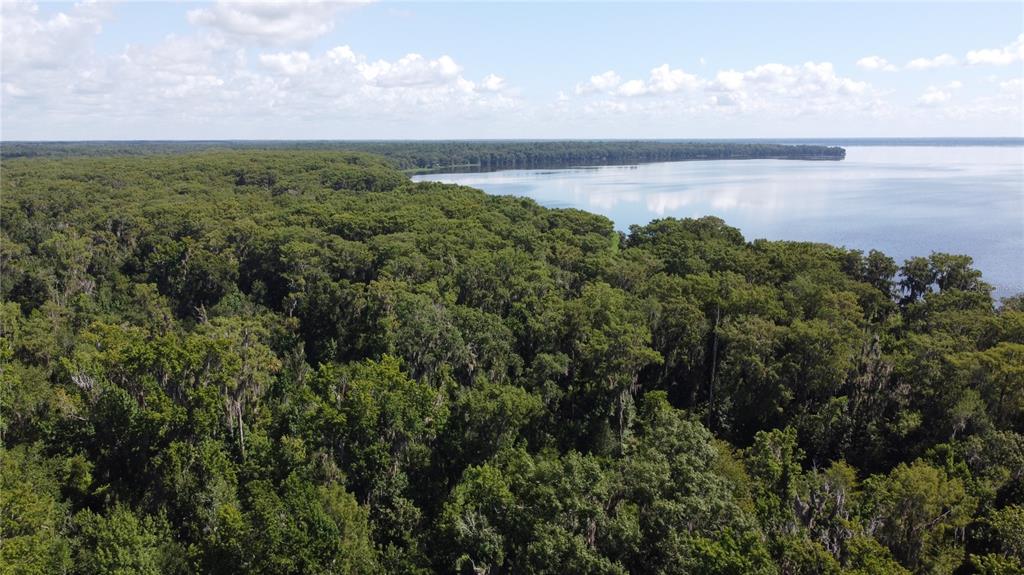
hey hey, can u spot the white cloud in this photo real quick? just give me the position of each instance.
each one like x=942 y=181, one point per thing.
x=600 y=83
x=633 y=88
x=1013 y=86
x=1005 y=106
x=661 y=80
x=409 y=70
x=811 y=79
x=34 y=41
x=1004 y=56
x=274 y=21
x=192 y=82
x=728 y=80
x=492 y=83
x=939 y=61
x=287 y=62
x=341 y=79
x=341 y=54
x=934 y=96
x=236 y=72
x=875 y=63
x=770 y=90
x=665 y=80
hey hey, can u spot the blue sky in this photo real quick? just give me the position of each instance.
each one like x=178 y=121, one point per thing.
x=307 y=69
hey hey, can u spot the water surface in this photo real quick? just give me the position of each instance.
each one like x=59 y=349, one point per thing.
x=903 y=200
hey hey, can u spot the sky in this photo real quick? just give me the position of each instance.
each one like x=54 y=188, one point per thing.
x=427 y=70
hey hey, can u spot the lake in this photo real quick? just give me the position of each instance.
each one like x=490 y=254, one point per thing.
x=903 y=200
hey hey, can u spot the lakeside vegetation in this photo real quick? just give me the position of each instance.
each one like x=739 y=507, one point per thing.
x=463 y=155
x=294 y=362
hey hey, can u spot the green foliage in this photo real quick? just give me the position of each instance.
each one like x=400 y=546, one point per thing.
x=121 y=543
x=917 y=511
x=33 y=519
x=297 y=361
x=303 y=528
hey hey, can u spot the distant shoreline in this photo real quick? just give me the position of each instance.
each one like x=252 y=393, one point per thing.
x=855 y=140
x=425 y=157
x=442 y=155
x=477 y=168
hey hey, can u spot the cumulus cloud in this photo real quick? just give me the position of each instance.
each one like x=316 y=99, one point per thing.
x=661 y=80
x=492 y=83
x=940 y=61
x=599 y=83
x=342 y=79
x=32 y=40
x=1005 y=104
x=666 y=80
x=934 y=96
x=410 y=70
x=1014 y=52
x=287 y=62
x=210 y=77
x=772 y=90
x=875 y=63
x=237 y=69
x=728 y=80
x=1013 y=86
x=633 y=88
x=274 y=21
x=812 y=79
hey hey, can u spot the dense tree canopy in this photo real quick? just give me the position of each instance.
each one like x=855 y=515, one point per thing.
x=301 y=362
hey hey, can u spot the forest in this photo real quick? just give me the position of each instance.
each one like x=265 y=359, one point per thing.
x=300 y=362
x=462 y=155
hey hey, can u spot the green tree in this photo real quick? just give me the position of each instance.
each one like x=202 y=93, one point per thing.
x=121 y=543
x=917 y=511
x=33 y=517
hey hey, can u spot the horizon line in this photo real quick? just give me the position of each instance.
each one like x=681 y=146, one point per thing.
x=567 y=139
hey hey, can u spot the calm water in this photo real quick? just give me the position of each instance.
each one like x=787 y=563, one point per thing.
x=905 y=201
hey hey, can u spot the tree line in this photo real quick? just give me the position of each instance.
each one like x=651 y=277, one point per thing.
x=463 y=155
